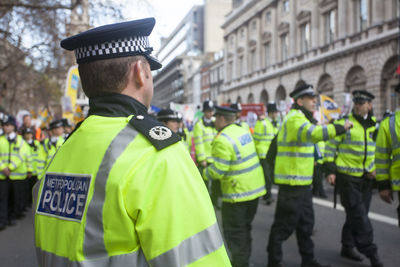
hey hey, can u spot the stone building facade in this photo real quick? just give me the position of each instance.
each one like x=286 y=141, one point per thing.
x=272 y=46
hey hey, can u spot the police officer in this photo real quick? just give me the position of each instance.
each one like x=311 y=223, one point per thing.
x=350 y=159
x=387 y=157
x=264 y=132
x=122 y=190
x=34 y=146
x=237 y=167
x=172 y=119
x=295 y=148
x=238 y=107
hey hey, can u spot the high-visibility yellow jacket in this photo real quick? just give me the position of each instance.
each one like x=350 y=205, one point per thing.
x=294 y=163
x=264 y=132
x=243 y=124
x=236 y=164
x=203 y=136
x=387 y=157
x=320 y=152
x=354 y=152
x=34 y=154
x=123 y=191
x=46 y=152
x=15 y=155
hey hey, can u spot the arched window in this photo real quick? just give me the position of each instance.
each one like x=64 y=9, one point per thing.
x=250 y=98
x=355 y=79
x=264 y=98
x=389 y=81
x=325 y=85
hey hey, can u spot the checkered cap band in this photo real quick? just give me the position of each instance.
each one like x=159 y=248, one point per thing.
x=120 y=47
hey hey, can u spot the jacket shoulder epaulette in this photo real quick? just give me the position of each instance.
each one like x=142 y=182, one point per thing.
x=157 y=133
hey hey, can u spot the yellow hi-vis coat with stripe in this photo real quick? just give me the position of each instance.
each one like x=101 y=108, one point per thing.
x=263 y=134
x=203 y=137
x=110 y=198
x=15 y=156
x=387 y=157
x=236 y=164
x=46 y=153
x=353 y=152
x=34 y=152
x=294 y=163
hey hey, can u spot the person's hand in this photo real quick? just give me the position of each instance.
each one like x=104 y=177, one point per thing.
x=29 y=174
x=386 y=195
x=203 y=163
x=348 y=125
x=371 y=175
x=331 y=178
x=6 y=172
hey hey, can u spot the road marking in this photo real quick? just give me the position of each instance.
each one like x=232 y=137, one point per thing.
x=371 y=215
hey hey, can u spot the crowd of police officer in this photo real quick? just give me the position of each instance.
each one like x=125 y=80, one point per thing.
x=24 y=153
x=295 y=154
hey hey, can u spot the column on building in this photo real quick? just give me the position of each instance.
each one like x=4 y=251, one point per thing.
x=293 y=32
x=316 y=28
x=377 y=9
x=343 y=18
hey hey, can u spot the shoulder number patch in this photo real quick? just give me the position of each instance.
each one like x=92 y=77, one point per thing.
x=160 y=133
x=64 y=196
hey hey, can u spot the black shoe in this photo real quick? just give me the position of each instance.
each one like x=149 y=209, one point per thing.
x=2 y=227
x=314 y=263
x=349 y=253
x=275 y=264
x=269 y=201
x=375 y=261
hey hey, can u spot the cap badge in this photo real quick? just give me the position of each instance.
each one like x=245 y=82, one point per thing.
x=160 y=133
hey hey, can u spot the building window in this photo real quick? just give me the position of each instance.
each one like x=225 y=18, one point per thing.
x=254 y=26
x=284 y=46
x=268 y=17
x=305 y=37
x=241 y=34
x=362 y=15
x=240 y=66
x=229 y=71
x=267 y=54
x=285 y=7
x=253 y=58
x=330 y=26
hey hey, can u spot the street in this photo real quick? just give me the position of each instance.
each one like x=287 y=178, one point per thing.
x=17 y=245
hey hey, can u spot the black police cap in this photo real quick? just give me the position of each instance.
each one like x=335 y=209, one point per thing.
x=113 y=41
x=169 y=115
x=221 y=110
x=303 y=90
x=271 y=107
x=27 y=130
x=208 y=105
x=56 y=124
x=362 y=95
x=236 y=106
x=10 y=120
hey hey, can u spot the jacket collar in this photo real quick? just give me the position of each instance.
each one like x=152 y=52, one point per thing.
x=115 y=105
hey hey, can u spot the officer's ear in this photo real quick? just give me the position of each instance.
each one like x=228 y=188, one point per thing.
x=139 y=73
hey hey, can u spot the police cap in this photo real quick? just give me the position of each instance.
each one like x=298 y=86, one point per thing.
x=27 y=130
x=303 y=90
x=236 y=106
x=10 y=120
x=271 y=107
x=55 y=124
x=220 y=110
x=208 y=105
x=169 y=115
x=112 y=41
x=361 y=96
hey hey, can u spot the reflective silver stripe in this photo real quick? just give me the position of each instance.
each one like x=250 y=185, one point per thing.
x=325 y=134
x=334 y=142
x=234 y=145
x=292 y=177
x=134 y=259
x=295 y=154
x=17 y=174
x=220 y=172
x=392 y=128
x=331 y=149
x=395 y=182
x=243 y=194
x=93 y=244
x=295 y=144
x=209 y=134
x=382 y=161
x=191 y=249
x=358 y=143
x=356 y=153
x=198 y=143
x=382 y=171
x=382 y=150
x=349 y=169
x=329 y=155
x=309 y=132
x=227 y=162
x=371 y=166
x=197 y=137
x=300 y=131
x=249 y=169
x=208 y=140
x=396 y=158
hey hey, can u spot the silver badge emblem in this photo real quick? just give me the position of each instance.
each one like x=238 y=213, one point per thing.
x=160 y=133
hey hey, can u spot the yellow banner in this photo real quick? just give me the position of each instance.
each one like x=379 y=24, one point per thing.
x=329 y=109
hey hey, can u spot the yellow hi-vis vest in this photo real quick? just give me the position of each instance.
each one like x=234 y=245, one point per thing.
x=353 y=152
x=110 y=198
x=236 y=164
x=203 y=137
x=294 y=163
x=34 y=155
x=16 y=157
x=263 y=134
x=387 y=157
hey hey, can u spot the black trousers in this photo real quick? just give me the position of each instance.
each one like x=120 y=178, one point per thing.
x=268 y=173
x=318 y=176
x=294 y=212
x=355 y=196
x=236 y=222
x=4 y=192
x=16 y=198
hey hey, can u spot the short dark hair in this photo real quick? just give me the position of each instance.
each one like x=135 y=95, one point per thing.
x=102 y=77
x=229 y=118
